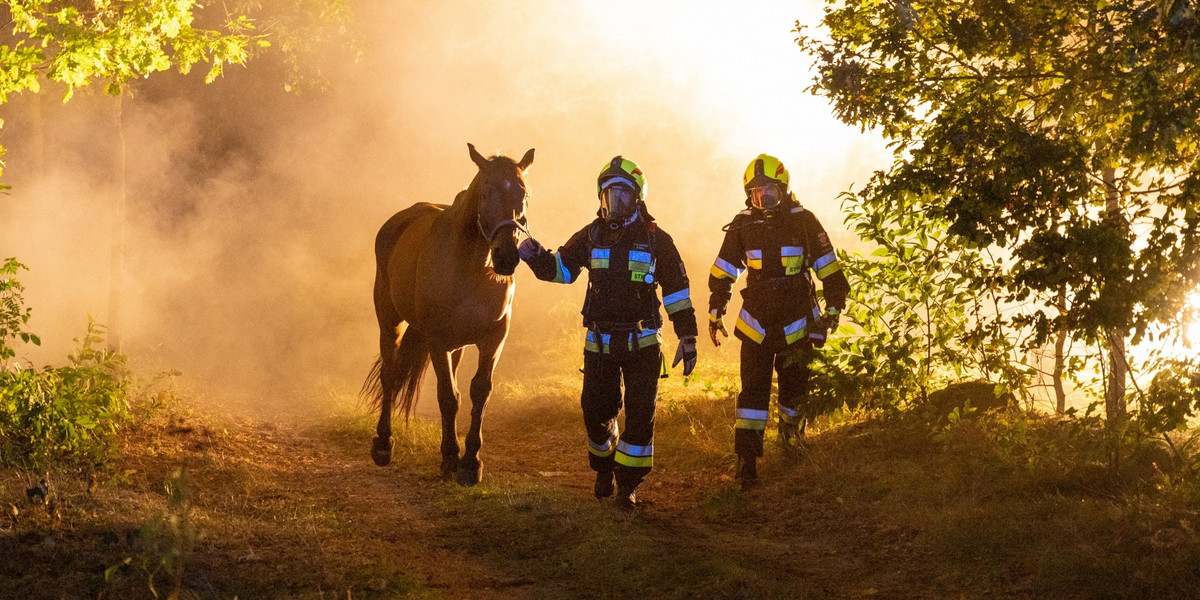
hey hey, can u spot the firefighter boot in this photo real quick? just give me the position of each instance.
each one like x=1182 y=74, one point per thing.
x=627 y=484
x=626 y=499
x=604 y=484
x=791 y=434
x=747 y=471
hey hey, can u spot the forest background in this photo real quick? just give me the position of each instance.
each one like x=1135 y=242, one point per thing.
x=1018 y=197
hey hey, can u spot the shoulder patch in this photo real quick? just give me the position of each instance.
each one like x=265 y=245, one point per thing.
x=822 y=240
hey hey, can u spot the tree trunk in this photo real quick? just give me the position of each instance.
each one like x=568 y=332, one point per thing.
x=117 y=264
x=1114 y=395
x=1060 y=342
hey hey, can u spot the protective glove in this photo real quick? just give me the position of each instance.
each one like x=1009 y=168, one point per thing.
x=686 y=353
x=529 y=249
x=716 y=323
x=830 y=319
x=825 y=324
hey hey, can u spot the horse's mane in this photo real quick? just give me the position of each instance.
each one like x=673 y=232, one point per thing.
x=466 y=203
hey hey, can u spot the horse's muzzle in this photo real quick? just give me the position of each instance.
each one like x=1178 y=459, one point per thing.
x=505 y=257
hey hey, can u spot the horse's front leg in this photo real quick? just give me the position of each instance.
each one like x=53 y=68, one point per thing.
x=446 y=368
x=471 y=467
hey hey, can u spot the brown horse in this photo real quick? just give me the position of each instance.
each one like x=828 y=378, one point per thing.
x=444 y=281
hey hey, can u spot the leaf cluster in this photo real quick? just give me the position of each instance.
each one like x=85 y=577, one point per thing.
x=61 y=416
x=14 y=316
x=1064 y=132
x=923 y=312
x=166 y=541
x=1172 y=401
x=57 y=415
x=74 y=42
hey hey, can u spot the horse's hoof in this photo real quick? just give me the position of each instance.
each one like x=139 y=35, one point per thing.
x=468 y=477
x=381 y=450
x=449 y=465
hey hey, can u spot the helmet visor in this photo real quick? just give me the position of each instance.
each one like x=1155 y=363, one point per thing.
x=764 y=196
x=616 y=201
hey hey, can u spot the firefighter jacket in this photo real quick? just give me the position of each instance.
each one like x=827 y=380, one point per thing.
x=627 y=263
x=781 y=248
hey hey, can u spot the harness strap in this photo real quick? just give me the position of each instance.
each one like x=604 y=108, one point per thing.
x=616 y=327
x=777 y=283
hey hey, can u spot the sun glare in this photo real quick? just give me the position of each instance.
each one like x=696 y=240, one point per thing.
x=1191 y=327
x=1175 y=343
x=741 y=61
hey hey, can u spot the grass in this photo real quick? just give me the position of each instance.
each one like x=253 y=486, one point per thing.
x=997 y=506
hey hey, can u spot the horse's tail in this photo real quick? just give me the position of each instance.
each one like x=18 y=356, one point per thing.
x=372 y=388
x=411 y=359
x=404 y=369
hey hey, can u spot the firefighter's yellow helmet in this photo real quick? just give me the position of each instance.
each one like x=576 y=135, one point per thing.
x=622 y=168
x=765 y=169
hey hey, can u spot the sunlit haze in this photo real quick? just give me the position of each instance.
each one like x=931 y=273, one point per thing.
x=252 y=212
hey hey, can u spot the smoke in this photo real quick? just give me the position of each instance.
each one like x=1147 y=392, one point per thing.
x=250 y=213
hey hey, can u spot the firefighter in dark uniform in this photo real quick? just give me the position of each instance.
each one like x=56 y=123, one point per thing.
x=628 y=258
x=782 y=244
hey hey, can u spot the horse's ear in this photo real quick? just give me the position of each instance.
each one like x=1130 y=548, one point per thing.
x=526 y=160
x=476 y=156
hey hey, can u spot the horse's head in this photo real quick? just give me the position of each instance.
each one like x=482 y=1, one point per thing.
x=502 y=198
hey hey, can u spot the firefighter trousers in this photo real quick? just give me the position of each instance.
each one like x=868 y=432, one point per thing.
x=758 y=365
x=630 y=453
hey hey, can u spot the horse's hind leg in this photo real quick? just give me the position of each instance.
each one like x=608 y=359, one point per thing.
x=445 y=367
x=471 y=466
x=381 y=446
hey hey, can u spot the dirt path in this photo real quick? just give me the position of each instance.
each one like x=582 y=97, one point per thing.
x=221 y=507
x=396 y=509
x=300 y=511
x=533 y=530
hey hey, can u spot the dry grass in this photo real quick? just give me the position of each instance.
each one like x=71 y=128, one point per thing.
x=866 y=507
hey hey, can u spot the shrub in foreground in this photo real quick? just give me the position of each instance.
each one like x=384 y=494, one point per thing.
x=64 y=415
x=56 y=416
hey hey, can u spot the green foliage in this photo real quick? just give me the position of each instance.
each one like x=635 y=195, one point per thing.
x=1173 y=398
x=114 y=41
x=61 y=416
x=119 y=41
x=166 y=541
x=727 y=504
x=57 y=416
x=923 y=311
x=1062 y=132
x=13 y=315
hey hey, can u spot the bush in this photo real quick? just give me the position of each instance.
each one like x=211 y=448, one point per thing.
x=923 y=312
x=13 y=315
x=57 y=416
x=64 y=415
